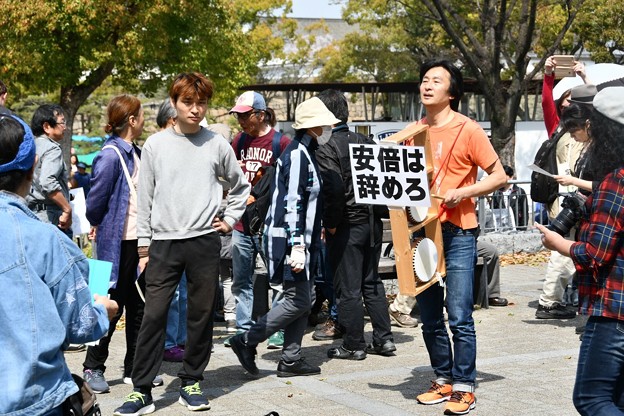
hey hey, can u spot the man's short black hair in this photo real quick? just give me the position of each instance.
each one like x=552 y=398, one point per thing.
x=3 y=88
x=45 y=113
x=336 y=102
x=456 y=89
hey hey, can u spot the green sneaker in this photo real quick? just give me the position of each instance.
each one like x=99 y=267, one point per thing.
x=276 y=341
x=226 y=342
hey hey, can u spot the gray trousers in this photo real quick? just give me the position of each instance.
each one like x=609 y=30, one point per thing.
x=489 y=252
x=291 y=315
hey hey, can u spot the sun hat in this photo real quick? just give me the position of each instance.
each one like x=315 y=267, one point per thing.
x=247 y=101
x=610 y=103
x=313 y=113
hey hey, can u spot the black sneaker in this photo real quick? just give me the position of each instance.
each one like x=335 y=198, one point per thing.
x=387 y=348
x=246 y=354
x=296 y=368
x=193 y=398
x=345 y=354
x=557 y=311
x=136 y=404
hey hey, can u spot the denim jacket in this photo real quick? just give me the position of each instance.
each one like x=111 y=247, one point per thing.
x=45 y=304
x=107 y=203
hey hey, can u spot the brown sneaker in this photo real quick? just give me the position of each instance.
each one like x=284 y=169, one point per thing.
x=436 y=394
x=329 y=330
x=402 y=319
x=460 y=403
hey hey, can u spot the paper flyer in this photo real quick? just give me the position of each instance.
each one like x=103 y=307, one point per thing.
x=537 y=169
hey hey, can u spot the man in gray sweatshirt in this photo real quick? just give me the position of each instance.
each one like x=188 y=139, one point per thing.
x=178 y=229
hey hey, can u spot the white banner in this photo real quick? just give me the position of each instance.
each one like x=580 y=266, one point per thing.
x=389 y=175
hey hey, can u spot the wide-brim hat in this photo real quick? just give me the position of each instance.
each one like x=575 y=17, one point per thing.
x=313 y=113
x=247 y=101
x=610 y=103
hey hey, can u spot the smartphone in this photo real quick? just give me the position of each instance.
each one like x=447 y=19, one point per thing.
x=564 y=66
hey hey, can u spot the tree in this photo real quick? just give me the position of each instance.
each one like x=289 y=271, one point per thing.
x=599 y=29
x=492 y=39
x=72 y=46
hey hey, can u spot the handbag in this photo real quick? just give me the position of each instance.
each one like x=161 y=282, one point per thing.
x=82 y=403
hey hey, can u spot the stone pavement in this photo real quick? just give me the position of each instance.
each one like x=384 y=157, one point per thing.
x=524 y=367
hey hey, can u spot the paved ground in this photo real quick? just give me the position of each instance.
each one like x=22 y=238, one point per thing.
x=525 y=367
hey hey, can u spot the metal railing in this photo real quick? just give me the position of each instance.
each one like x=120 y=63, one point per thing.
x=509 y=212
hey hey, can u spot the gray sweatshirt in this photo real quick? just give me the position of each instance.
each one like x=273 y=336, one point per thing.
x=179 y=191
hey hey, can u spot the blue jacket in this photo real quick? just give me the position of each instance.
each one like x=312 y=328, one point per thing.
x=107 y=203
x=45 y=304
x=294 y=217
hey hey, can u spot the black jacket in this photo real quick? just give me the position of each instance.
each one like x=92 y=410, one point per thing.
x=335 y=167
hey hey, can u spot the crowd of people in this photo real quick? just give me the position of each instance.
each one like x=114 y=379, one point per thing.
x=179 y=245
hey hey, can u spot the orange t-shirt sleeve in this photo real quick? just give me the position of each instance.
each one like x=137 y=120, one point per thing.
x=481 y=149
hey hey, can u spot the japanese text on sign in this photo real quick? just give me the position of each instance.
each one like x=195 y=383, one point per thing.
x=389 y=175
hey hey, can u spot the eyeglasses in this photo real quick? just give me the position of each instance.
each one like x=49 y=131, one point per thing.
x=244 y=116
x=60 y=123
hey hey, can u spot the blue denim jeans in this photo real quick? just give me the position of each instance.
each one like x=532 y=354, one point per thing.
x=244 y=251
x=176 y=318
x=599 y=386
x=454 y=364
x=324 y=280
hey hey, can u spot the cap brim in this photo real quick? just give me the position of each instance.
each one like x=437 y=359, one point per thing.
x=241 y=109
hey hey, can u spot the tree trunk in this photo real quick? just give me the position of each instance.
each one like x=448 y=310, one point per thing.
x=74 y=96
x=504 y=140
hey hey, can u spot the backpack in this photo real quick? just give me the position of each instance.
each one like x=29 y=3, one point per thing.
x=544 y=189
x=256 y=212
x=82 y=403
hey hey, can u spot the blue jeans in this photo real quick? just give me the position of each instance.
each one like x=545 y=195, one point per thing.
x=599 y=386
x=456 y=364
x=176 y=318
x=324 y=280
x=244 y=251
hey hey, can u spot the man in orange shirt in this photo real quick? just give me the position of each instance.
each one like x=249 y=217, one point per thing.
x=459 y=147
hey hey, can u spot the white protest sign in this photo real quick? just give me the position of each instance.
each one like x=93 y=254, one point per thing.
x=80 y=224
x=389 y=175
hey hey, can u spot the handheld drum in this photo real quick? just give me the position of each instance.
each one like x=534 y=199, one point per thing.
x=416 y=214
x=424 y=259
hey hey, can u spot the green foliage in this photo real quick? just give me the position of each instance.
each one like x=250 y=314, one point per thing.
x=72 y=46
x=490 y=39
x=599 y=30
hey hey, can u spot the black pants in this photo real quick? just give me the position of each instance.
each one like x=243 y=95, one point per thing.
x=199 y=256
x=354 y=263
x=126 y=296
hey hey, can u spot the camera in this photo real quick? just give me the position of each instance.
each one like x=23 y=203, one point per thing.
x=573 y=208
